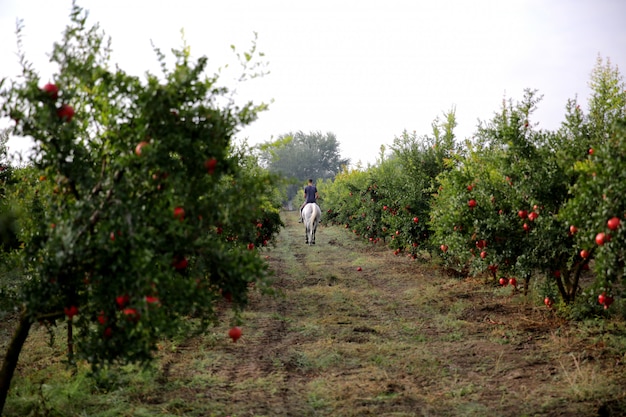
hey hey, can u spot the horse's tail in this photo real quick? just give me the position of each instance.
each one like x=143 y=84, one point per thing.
x=312 y=222
x=313 y=214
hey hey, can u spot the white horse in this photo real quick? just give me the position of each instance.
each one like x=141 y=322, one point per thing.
x=312 y=215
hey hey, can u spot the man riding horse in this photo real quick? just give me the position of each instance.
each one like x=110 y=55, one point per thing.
x=310 y=196
x=310 y=212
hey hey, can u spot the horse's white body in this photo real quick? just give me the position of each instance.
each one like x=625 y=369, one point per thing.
x=312 y=215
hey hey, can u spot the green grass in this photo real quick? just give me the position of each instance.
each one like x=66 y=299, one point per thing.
x=395 y=339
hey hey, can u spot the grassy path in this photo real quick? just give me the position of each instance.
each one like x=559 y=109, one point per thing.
x=394 y=339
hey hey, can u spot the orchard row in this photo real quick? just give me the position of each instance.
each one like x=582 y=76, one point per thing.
x=136 y=216
x=514 y=202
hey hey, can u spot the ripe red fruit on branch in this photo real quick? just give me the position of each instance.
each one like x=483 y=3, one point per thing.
x=52 y=90
x=522 y=214
x=513 y=282
x=65 y=113
x=150 y=299
x=234 y=333
x=526 y=227
x=532 y=216
x=122 y=300
x=131 y=314
x=444 y=248
x=70 y=311
x=602 y=298
x=470 y=187
x=415 y=220
x=503 y=281
x=250 y=246
x=613 y=223
x=601 y=238
x=359 y=269
x=548 y=301
x=102 y=319
x=179 y=213
x=210 y=165
x=573 y=229
x=180 y=263
x=472 y=203
x=584 y=253
x=140 y=146
x=483 y=254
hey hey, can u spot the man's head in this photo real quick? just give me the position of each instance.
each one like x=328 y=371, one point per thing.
x=310 y=181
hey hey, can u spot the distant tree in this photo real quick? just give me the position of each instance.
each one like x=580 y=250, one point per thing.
x=299 y=156
x=608 y=99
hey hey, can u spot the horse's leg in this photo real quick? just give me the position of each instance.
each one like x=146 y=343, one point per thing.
x=315 y=224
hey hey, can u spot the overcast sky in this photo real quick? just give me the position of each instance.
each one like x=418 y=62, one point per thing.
x=364 y=70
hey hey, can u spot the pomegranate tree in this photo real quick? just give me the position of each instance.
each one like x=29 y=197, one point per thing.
x=129 y=230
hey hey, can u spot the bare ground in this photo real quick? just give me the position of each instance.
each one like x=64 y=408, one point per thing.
x=394 y=339
x=400 y=339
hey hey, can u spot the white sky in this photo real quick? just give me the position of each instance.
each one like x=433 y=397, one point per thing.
x=364 y=70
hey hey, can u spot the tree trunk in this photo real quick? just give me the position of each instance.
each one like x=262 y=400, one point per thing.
x=12 y=356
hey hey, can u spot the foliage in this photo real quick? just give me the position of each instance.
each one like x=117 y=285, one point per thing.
x=513 y=177
x=391 y=201
x=515 y=201
x=143 y=214
x=301 y=156
x=9 y=241
x=597 y=188
x=598 y=211
x=408 y=318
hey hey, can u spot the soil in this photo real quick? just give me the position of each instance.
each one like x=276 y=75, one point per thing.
x=405 y=340
x=395 y=338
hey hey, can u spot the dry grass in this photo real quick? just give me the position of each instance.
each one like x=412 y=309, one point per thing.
x=395 y=339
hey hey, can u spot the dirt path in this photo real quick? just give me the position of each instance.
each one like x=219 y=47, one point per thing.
x=398 y=339
x=392 y=339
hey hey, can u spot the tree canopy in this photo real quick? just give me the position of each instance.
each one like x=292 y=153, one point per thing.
x=300 y=156
x=137 y=212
